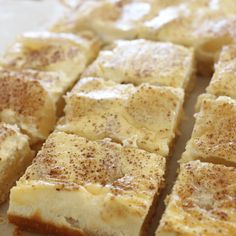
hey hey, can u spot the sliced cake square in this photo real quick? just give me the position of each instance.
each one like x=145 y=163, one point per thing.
x=204 y=25
x=31 y=99
x=15 y=156
x=81 y=187
x=142 y=61
x=202 y=202
x=214 y=134
x=36 y=71
x=223 y=81
x=107 y=18
x=48 y=51
x=146 y=116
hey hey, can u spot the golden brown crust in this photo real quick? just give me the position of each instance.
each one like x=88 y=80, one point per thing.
x=36 y=224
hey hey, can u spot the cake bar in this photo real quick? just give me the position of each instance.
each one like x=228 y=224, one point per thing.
x=81 y=187
x=146 y=116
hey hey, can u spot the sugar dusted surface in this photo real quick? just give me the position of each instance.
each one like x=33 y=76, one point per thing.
x=202 y=202
x=142 y=61
x=214 y=134
x=146 y=116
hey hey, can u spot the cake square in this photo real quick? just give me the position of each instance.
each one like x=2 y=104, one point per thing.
x=142 y=61
x=202 y=202
x=214 y=135
x=109 y=19
x=146 y=116
x=15 y=156
x=223 y=82
x=48 y=51
x=36 y=71
x=81 y=187
x=30 y=99
x=204 y=25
